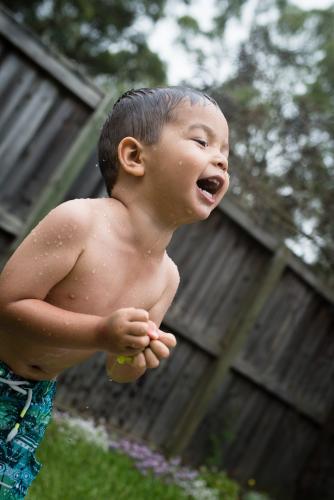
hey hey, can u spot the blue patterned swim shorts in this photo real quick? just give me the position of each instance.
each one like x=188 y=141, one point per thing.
x=25 y=410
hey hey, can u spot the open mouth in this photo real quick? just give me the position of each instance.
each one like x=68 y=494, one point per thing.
x=209 y=186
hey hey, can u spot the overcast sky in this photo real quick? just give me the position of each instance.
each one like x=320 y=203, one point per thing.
x=179 y=63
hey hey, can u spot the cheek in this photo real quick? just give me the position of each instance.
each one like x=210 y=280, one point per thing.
x=189 y=161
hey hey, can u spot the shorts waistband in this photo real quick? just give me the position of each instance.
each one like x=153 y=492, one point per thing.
x=26 y=388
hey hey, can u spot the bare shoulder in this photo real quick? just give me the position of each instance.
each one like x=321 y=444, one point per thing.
x=73 y=213
x=50 y=250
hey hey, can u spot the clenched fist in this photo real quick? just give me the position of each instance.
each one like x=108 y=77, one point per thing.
x=126 y=332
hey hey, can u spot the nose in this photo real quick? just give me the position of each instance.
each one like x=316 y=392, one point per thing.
x=221 y=162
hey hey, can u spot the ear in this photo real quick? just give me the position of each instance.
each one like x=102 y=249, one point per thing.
x=130 y=156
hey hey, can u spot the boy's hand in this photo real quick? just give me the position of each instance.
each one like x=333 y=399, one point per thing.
x=126 y=332
x=159 y=349
x=135 y=367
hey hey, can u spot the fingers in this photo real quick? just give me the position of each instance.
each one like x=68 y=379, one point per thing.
x=135 y=314
x=137 y=328
x=167 y=338
x=151 y=360
x=153 y=330
x=136 y=342
x=159 y=349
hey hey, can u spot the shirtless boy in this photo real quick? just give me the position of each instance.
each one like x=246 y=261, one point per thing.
x=94 y=274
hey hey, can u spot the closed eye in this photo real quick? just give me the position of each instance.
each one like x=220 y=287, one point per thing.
x=202 y=142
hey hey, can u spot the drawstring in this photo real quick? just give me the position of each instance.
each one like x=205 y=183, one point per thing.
x=15 y=385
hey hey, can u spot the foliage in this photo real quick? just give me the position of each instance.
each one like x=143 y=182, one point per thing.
x=75 y=467
x=280 y=103
x=219 y=481
x=106 y=37
x=82 y=461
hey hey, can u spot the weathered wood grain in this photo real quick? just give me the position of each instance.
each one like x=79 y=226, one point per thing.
x=25 y=42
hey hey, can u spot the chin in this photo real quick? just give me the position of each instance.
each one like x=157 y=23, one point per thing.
x=197 y=215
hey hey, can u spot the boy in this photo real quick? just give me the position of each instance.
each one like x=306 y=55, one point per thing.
x=94 y=275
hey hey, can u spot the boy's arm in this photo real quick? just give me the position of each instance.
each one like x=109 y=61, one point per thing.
x=45 y=258
x=129 y=372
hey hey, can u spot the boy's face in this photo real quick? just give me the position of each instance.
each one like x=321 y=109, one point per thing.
x=187 y=168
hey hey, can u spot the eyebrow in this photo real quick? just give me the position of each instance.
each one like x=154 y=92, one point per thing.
x=207 y=129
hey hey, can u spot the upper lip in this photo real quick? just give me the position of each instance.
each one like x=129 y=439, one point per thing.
x=217 y=182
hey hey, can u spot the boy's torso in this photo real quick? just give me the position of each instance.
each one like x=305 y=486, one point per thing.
x=107 y=276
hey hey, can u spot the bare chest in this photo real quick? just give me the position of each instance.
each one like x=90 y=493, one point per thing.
x=102 y=282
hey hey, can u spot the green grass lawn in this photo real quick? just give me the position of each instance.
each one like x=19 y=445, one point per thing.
x=75 y=469
x=79 y=466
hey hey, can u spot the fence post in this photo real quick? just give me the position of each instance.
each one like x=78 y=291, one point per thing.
x=235 y=340
x=68 y=169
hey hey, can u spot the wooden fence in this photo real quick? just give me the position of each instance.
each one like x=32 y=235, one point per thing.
x=44 y=105
x=250 y=383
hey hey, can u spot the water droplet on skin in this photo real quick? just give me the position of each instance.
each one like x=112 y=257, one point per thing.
x=35 y=258
x=35 y=240
x=71 y=296
x=46 y=254
x=180 y=163
x=93 y=271
x=149 y=252
x=75 y=278
x=104 y=264
x=40 y=273
x=48 y=243
x=86 y=298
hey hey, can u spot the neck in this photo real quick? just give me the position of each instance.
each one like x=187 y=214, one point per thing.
x=142 y=229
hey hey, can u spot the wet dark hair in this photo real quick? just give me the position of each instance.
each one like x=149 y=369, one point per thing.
x=140 y=114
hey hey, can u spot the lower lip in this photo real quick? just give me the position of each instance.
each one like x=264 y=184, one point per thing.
x=206 y=196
